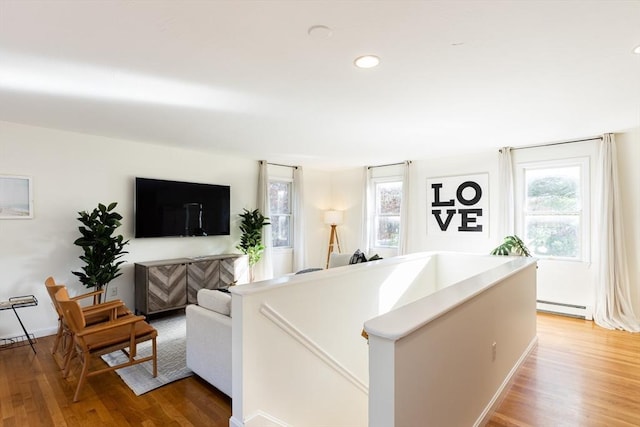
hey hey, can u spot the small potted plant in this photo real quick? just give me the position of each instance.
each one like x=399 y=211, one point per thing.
x=251 y=239
x=102 y=250
x=512 y=245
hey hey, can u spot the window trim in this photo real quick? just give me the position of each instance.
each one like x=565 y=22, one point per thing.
x=583 y=162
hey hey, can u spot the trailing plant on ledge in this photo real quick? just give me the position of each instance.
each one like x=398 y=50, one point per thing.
x=102 y=250
x=512 y=245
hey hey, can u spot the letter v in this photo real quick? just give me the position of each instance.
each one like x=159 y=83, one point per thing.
x=450 y=213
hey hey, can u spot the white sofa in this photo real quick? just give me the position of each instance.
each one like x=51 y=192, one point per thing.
x=209 y=333
x=209 y=338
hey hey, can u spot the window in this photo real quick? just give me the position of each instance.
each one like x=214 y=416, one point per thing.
x=555 y=220
x=386 y=218
x=280 y=204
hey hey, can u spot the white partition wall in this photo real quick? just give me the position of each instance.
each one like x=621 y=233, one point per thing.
x=445 y=361
x=299 y=356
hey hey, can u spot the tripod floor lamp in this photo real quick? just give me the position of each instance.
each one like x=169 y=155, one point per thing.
x=333 y=218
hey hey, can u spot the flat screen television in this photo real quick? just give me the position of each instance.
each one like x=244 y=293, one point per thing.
x=173 y=208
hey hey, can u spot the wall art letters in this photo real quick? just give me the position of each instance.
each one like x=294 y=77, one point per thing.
x=458 y=204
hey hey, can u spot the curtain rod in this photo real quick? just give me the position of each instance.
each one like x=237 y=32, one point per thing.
x=389 y=164
x=284 y=166
x=595 y=138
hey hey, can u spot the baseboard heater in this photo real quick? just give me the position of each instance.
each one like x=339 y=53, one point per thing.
x=571 y=310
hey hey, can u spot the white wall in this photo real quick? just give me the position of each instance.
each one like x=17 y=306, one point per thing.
x=317 y=196
x=346 y=192
x=628 y=145
x=73 y=172
x=346 y=195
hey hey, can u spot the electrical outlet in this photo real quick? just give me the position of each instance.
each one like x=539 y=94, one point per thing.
x=494 y=349
x=113 y=291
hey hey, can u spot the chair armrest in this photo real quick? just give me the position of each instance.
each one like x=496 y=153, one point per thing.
x=110 y=307
x=100 y=327
x=87 y=295
x=102 y=306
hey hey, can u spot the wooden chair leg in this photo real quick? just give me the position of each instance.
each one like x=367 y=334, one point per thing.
x=67 y=360
x=83 y=375
x=56 y=343
x=155 y=358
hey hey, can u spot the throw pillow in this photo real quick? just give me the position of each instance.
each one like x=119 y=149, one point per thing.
x=220 y=302
x=357 y=257
x=375 y=257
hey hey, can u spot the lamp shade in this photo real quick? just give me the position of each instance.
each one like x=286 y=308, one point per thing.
x=333 y=217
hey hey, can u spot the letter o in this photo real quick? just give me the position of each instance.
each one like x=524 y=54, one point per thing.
x=475 y=199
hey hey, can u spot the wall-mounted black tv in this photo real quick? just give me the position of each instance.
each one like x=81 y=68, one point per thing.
x=173 y=208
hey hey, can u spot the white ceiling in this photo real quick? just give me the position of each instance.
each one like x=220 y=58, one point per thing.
x=245 y=77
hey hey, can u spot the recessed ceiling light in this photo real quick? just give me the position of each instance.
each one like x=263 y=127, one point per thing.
x=320 y=32
x=637 y=50
x=366 y=61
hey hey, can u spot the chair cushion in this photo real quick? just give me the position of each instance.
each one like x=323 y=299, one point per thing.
x=215 y=300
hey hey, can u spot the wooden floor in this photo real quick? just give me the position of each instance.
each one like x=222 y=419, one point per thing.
x=33 y=393
x=579 y=375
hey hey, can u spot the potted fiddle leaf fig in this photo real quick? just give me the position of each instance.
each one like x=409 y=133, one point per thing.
x=512 y=245
x=251 y=239
x=102 y=248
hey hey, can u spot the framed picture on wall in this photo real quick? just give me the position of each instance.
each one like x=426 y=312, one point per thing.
x=458 y=205
x=16 y=197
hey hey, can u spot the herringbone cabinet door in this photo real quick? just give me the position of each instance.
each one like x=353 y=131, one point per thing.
x=202 y=274
x=167 y=286
x=227 y=272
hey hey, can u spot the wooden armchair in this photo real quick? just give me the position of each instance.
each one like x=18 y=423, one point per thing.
x=95 y=340
x=94 y=313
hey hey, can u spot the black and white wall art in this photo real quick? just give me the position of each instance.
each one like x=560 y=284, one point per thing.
x=458 y=205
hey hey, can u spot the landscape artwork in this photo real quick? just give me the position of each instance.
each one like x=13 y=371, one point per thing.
x=16 y=201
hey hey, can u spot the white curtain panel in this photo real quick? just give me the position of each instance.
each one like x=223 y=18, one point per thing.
x=367 y=208
x=264 y=268
x=298 y=220
x=506 y=208
x=613 y=309
x=403 y=243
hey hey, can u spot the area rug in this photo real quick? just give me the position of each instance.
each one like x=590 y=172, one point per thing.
x=172 y=357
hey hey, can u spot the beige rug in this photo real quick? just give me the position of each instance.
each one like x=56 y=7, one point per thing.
x=172 y=357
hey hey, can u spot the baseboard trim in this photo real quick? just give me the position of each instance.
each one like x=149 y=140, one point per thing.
x=259 y=419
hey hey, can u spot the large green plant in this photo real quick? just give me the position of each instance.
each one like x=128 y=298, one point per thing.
x=102 y=249
x=512 y=245
x=251 y=239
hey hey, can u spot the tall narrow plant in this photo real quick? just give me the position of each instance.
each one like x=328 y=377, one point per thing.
x=102 y=249
x=251 y=239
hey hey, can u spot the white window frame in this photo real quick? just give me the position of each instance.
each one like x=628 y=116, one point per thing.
x=291 y=213
x=374 y=214
x=584 y=211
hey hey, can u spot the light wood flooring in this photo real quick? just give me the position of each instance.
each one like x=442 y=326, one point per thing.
x=578 y=375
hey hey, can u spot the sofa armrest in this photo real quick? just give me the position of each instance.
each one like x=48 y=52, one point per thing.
x=209 y=346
